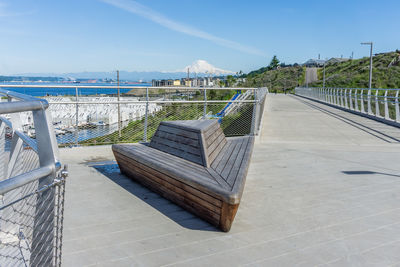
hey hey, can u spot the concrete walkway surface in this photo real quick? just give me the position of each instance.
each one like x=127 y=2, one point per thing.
x=323 y=188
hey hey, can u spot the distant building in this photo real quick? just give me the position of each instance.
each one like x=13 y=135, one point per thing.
x=314 y=63
x=337 y=60
x=191 y=82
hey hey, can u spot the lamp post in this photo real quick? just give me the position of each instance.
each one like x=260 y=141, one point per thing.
x=324 y=75
x=370 y=63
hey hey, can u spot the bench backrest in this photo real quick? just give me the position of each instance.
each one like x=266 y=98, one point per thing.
x=199 y=141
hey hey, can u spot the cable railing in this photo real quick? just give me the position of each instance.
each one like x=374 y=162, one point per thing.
x=31 y=185
x=379 y=104
x=94 y=115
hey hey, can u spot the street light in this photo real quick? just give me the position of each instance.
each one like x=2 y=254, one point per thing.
x=370 y=63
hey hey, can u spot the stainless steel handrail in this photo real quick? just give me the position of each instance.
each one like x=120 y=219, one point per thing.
x=354 y=100
x=122 y=87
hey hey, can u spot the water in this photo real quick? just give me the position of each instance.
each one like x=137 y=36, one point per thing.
x=68 y=91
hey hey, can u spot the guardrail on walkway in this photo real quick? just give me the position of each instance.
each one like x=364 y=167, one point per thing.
x=88 y=115
x=378 y=104
x=31 y=185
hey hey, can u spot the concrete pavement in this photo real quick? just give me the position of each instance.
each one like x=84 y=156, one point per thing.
x=323 y=188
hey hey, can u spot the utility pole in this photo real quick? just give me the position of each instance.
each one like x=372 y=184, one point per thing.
x=370 y=62
x=324 y=75
x=119 y=108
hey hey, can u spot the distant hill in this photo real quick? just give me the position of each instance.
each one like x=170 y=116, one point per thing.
x=350 y=74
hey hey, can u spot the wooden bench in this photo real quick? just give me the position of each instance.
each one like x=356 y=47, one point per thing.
x=194 y=165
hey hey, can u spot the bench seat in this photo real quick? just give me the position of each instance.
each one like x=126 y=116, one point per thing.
x=211 y=190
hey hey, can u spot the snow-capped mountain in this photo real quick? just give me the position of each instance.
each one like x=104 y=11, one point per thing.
x=202 y=66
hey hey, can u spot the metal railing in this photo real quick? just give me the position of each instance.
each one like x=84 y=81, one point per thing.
x=31 y=185
x=379 y=104
x=91 y=115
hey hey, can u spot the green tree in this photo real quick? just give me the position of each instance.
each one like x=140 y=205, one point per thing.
x=274 y=63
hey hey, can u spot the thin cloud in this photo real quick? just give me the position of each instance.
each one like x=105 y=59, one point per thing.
x=5 y=13
x=143 y=11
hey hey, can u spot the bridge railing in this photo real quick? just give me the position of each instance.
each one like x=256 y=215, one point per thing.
x=380 y=104
x=31 y=185
x=93 y=115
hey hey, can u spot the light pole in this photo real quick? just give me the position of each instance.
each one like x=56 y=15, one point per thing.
x=370 y=63
x=324 y=75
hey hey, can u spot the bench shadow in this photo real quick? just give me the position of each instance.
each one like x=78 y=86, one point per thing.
x=182 y=217
x=368 y=173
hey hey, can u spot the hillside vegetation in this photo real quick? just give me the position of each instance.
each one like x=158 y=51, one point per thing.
x=350 y=74
x=355 y=73
x=278 y=80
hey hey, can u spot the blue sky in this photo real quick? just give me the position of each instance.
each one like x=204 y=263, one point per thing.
x=145 y=35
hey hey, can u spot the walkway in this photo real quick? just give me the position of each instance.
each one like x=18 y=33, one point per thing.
x=323 y=189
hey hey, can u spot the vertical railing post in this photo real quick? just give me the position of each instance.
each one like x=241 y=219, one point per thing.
x=369 y=102
x=387 y=115
x=356 y=100
x=337 y=97
x=76 y=118
x=345 y=99
x=253 y=118
x=119 y=107
x=396 y=103
x=362 y=101
x=350 y=99
x=377 y=111
x=205 y=104
x=146 y=116
x=42 y=248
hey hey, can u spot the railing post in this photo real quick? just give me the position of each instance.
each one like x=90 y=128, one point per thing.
x=350 y=99
x=76 y=118
x=377 y=111
x=45 y=210
x=362 y=101
x=205 y=104
x=345 y=98
x=397 y=106
x=341 y=97
x=369 y=103
x=355 y=100
x=337 y=97
x=387 y=116
x=119 y=110
x=253 y=118
x=146 y=116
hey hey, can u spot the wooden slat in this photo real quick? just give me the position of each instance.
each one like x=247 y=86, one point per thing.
x=174 y=197
x=217 y=138
x=237 y=164
x=211 y=130
x=176 y=138
x=219 y=179
x=203 y=195
x=221 y=155
x=179 y=153
x=230 y=162
x=214 y=137
x=225 y=155
x=164 y=158
x=178 y=131
x=199 y=180
x=244 y=166
x=176 y=144
x=217 y=150
x=188 y=192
